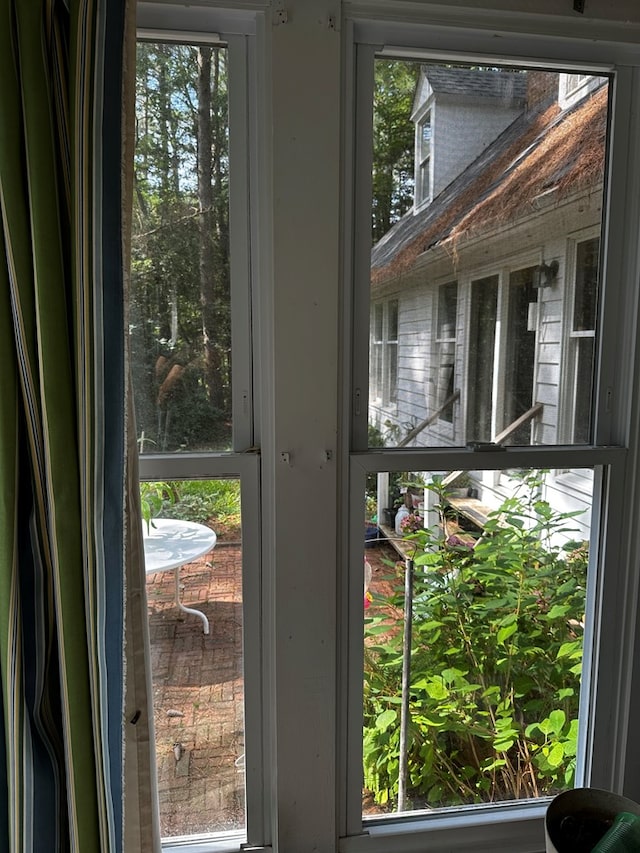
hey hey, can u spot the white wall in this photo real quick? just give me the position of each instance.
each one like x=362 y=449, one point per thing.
x=305 y=94
x=461 y=132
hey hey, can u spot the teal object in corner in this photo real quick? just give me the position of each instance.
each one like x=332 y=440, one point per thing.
x=623 y=837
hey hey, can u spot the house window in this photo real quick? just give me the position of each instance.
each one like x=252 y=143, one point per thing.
x=301 y=355
x=424 y=159
x=498 y=231
x=582 y=338
x=190 y=335
x=446 y=348
x=574 y=87
x=384 y=352
x=572 y=82
x=519 y=355
x=482 y=345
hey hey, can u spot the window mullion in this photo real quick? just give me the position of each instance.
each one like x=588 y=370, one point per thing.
x=618 y=265
x=362 y=243
x=239 y=241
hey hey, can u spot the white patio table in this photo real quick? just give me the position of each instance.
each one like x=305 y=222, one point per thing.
x=170 y=544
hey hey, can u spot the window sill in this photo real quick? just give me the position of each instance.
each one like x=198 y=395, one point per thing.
x=513 y=829
x=222 y=842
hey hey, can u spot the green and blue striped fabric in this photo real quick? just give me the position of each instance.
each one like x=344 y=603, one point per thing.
x=62 y=426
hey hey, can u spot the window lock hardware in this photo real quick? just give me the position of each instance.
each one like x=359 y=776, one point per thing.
x=280 y=15
x=483 y=446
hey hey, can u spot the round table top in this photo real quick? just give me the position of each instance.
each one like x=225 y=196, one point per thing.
x=169 y=543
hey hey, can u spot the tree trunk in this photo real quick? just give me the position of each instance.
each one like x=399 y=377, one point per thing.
x=209 y=270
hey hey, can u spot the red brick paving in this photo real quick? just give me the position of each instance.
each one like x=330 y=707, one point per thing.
x=198 y=695
x=198 y=691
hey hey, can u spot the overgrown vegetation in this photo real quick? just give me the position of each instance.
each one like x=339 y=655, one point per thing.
x=393 y=135
x=217 y=501
x=179 y=322
x=496 y=658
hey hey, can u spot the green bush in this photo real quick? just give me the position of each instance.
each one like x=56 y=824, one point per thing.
x=495 y=667
x=192 y=500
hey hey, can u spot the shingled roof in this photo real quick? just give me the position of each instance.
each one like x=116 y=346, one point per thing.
x=503 y=86
x=543 y=150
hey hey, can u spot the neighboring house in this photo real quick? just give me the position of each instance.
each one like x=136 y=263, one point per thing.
x=484 y=295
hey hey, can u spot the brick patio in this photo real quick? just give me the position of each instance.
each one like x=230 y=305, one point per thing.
x=198 y=692
x=197 y=695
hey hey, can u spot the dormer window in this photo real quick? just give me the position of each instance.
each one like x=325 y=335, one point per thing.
x=490 y=99
x=574 y=87
x=424 y=159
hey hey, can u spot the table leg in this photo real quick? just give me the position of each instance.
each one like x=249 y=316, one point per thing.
x=199 y=613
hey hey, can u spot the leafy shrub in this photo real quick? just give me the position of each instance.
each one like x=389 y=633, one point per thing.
x=202 y=500
x=495 y=666
x=192 y=500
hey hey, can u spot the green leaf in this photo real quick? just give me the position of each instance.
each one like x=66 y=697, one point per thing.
x=494 y=765
x=572 y=650
x=430 y=625
x=556 y=755
x=506 y=632
x=565 y=693
x=428 y=559
x=427 y=720
x=373 y=630
x=436 y=690
x=434 y=794
x=557 y=719
x=503 y=745
x=545 y=726
x=451 y=674
x=385 y=719
x=557 y=611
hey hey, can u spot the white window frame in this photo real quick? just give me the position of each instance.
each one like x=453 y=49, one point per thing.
x=236 y=31
x=440 y=343
x=516 y=265
x=424 y=156
x=607 y=738
x=503 y=274
x=384 y=369
x=574 y=87
x=570 y=336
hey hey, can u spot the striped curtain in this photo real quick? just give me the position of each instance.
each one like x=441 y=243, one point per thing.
x=66 y=743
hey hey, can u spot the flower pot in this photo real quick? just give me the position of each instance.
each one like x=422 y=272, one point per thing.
x=388 y=516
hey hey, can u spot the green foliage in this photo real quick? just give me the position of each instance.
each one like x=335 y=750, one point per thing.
x=496 y=656
x=179 y=322
x=201 y=500
x=191 y=500
x=154 y=497
x=393 y=135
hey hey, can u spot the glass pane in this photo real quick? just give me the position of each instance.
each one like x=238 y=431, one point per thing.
x=180 y=324
x=585 y=301
x=425 y=134
x=198 y=683
x=393 y=320
x=584 y=372
x=482 y=344
x=488 y=642
x=447 y=310
x=513 y=177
